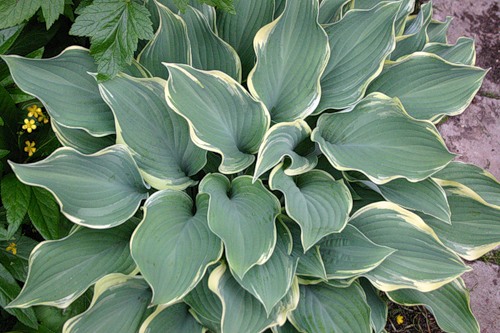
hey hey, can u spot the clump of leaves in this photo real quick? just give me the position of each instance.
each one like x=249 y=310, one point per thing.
x=287 y=165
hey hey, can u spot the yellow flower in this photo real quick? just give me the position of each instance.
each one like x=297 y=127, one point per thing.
x=12 y=248
x=34 y=111
x=30 y=147
x=400 y=319
x=29 y=125
x=43 y=119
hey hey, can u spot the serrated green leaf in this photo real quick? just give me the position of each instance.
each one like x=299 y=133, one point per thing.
x=98 y=191
x=169 y=44
x=373 y=138
x=290 y=89
x=463 y=52
x=350 y=253
x=239 y=29
x=8 y=291
x=157 y=137
x=49 y=79
x=119 y=304
x=421 y=260
x=175 y=317
x=13 y=12
x=223 y=117
x=8 y=36
x=286 y=140
x=209 y=52
x=241 y=309
x=17 y=264
x=318 y=203
x=349 y=71
x=242 y=214
x=114 y=28
x=323 y=308
x=449 y=304
x=51 y=11
x=172 y=246
x=61 y=270
x=16 y=199
x=44 y=214
x=428 y=86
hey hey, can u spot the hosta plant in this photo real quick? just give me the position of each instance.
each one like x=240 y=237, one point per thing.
x=274 y=169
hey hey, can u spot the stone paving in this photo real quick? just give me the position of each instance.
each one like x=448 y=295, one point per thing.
x=475 y=134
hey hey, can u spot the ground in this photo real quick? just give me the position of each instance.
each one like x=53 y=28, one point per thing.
x=475 y=134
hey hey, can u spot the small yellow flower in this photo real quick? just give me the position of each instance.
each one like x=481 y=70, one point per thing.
x=12 y=248
x=34 y=111
x=29 y=125
x=43 y=119
x=30 y=147
x=400 y=319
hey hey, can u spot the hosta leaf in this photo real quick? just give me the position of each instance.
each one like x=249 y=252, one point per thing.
x=287 y=50
x=330 y=10
x=415 y=36
x=170 y=43
x=310 y=263
x=61 y=270
x=359 y=44
x=463 y=52
x=8 y=291
x=378 y=307
x=242 y=214
x=420 y=262
x=158 y=138
x=208 y=12
x=222 y=116
x=424 y=196
x=437 y=30
x=350 y=253
x=99 y=191
x=323 y=308
x=474 y=228
x=271 y=281
x=114 y=28
x=373 y=138
x=239 y=29
x=318 y=203
x=241 y=309
x=279 y=7
x=286 y=140
x=205 y=305
x=81 y=140
x=405 y=9
x=428 y=86
x=70 y=104
x=15 y=199
x=449 y=304
x=119 y=305
x=172 y=246
x=175 y=317
x=479 y=181
x=209 y=52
